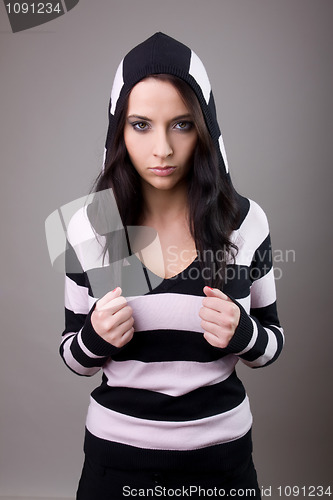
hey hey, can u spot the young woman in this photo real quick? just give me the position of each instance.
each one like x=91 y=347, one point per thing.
x=171 y=417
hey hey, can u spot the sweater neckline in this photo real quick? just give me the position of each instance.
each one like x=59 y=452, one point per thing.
x=171 y=278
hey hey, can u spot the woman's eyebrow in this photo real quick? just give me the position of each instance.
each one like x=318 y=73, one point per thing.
x=139 y=117
x=145 y=118
x=182 y=117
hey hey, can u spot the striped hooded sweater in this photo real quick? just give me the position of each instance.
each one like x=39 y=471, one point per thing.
x=169 y=399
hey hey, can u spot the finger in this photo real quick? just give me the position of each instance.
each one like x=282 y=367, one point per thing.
x=119 y=317
x=109 y=296
x=113 y=305
x=215 y=292
x=121 y=336
x=210 y=315
x=123 y=328
x=125 y=338
x=211 y=328
x=215 y=341
x=215 y=303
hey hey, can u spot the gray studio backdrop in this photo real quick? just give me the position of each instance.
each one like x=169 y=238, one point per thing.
x=270 y=66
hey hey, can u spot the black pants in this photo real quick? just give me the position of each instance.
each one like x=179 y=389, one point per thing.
x=102 y=483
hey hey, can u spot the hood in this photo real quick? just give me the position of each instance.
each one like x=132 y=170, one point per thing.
x=162 y=54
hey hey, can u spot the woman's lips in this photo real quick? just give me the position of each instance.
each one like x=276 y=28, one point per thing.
x=163 y=171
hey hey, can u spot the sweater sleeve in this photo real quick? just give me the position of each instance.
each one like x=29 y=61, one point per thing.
x=82 y=349
x=259 y=337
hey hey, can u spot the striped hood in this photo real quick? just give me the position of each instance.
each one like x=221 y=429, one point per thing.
x=162 y=54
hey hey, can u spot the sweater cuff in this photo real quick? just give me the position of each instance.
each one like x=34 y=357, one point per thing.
x=94 y=342
x=243 y=333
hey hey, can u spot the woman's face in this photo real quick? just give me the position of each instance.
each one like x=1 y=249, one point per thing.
x=159 y=134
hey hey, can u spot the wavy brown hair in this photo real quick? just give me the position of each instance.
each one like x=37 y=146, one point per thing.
x=212 y=200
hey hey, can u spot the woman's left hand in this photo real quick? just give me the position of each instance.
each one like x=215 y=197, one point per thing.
x=220 y=317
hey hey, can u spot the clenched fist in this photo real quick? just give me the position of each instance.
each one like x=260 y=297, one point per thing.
x=220 y=317
x=112 y=318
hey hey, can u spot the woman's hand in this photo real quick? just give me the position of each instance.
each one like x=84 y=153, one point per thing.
x=112 y=318
x=220 y=317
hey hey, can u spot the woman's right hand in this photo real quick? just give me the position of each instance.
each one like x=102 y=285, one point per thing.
x=112 y=318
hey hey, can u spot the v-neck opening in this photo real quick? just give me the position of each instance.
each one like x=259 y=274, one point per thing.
x=171 y=278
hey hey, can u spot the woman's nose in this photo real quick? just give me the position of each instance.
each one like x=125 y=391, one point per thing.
x=162 y=146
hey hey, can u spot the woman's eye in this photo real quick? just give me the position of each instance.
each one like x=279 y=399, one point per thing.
x=183 y=125
x=140 y=126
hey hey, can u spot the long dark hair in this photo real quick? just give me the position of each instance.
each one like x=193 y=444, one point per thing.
x=212 y=200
